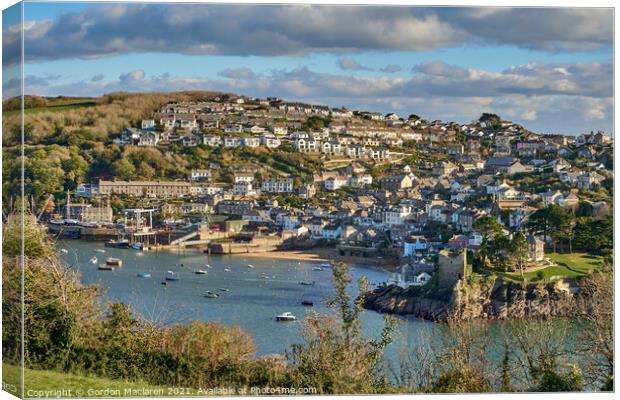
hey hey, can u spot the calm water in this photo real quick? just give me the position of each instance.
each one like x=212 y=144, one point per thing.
x=252 y=302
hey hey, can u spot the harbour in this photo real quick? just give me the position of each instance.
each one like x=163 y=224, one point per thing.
x=248 y=297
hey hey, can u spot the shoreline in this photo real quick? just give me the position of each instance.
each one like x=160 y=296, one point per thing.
x=325 y=254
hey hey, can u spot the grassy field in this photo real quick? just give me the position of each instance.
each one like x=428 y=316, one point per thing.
x=579 y=262
x=56 y=384
x=55 y=105
x=568 y=266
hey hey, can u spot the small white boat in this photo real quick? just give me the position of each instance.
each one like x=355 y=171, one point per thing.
x=143 y=275
x=64 y=251
x=171 y=276
x=100 y=251
x=209 y=294
x=286 y=316
x=93 y=260
x=223 y=289
x=226 y=269
x=137 y=246
x=200 y=271
x=250 y=266
x=139 y=253
x=317 y=268
x=325 y=265
x=206 y=266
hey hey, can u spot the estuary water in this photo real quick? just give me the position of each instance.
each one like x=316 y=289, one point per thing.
x=251 y=298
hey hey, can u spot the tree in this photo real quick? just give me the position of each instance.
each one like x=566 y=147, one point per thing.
x=519 y=250
x=584 y=209
x=490 y=120
x=488 y=226
x=551 y=221
x=123 y=169
x=335 y=357
x=498 y=250
x=596 y=343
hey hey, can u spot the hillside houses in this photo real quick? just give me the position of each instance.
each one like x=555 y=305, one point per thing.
x=364 y=181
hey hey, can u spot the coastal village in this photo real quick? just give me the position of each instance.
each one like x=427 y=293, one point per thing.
x=412 y=195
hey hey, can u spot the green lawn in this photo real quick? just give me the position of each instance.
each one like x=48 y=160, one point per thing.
x=37 y=382
x=579 y=262
x=569 y=266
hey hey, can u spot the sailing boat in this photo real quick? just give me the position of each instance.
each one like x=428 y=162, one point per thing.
x=305 y=301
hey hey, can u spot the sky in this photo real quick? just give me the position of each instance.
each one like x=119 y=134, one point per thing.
x=550 y=69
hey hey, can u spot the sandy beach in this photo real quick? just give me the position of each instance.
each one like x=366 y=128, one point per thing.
x=326 y=254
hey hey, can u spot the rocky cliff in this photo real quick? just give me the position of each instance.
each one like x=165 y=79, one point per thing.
x=484 y=297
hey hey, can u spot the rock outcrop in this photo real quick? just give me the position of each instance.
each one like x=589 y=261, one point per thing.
x=484 y=297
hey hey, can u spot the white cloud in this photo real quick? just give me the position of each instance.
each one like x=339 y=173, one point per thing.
x=594 y=114
x=529 y=115
x=349 y=64
x=131 y=77
x=111 y=29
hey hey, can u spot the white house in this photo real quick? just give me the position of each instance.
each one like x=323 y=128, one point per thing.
x=331 y=232
x=212 y=140
x=551 y=197
x=233 y=128
x=361 y=180
x=243 y=177
x=414 y=244
x=243 y=188
x=199 y=174
x=396 y=215
x=280 y=130
x=147 y=124
x=148 y=139
x=232 y=142
x=251 y=141
x=280 y=185
x=269 y=140
x=334 y=183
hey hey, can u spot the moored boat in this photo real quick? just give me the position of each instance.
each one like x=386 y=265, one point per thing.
x=93 y=260
x=143 y=275
x=114 y=262
x=317 y=269
x=105 y=267
x=200 y=271
x=209 y=294
x=137 y=246
x=286 y=316
x=306 y=283
x=171 y=276
x=307 y=303
x=119 y=243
